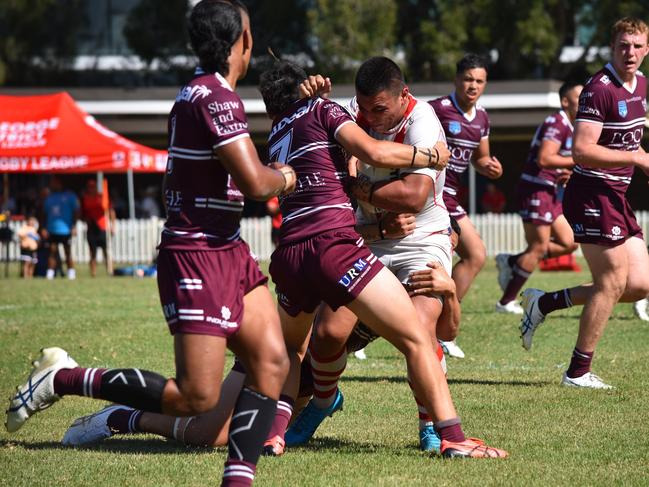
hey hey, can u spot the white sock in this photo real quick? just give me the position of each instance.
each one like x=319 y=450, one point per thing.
x=50 y=274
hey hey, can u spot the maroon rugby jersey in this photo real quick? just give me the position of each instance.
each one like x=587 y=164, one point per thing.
x=557 y=128
x=203 y=204
x=621 y=113
x=304 y=136
x=463 y=135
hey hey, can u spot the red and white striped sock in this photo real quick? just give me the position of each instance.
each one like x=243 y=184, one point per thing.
x=326 y=373
x=425 y=419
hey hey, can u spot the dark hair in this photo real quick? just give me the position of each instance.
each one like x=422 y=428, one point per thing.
x=455 y=226
x=378 y=74
x=566 y=87
x=470 y=61
x=214 y=26
x=279 y=86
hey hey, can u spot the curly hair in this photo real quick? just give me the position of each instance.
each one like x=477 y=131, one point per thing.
x=214 y=26
x=279 y=86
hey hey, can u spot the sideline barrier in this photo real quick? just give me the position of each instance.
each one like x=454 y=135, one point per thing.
x=135 y=240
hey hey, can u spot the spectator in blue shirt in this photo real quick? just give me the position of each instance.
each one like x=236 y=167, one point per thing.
x=61 y=210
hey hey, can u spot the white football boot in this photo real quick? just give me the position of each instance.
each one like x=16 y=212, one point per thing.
x=532 y=316
x=640 y=309
x=504 y=270
x=512 y=308
x=91 y=428
x=589 y=380
x=38 y=392
x=451 y=349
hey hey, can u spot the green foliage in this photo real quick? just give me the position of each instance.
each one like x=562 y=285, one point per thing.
x=346 y=32
x=41 y=32
x=509 y=397
x=153 y=32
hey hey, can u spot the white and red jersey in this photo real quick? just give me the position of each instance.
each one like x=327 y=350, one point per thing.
x=464 y=131
x=419 y=126
x=203 y=204
x=620 y=111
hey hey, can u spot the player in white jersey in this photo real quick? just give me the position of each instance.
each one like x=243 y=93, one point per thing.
x=386 y=109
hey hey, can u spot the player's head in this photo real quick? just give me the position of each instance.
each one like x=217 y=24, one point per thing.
x=55 y=183
x=33 y=222
x=628 y=46
x=569 y=96
x=279 y=86
x=219 y=33
x=470 y=78
x=381 y=93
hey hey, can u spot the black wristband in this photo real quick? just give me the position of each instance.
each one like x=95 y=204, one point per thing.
x=381 y=230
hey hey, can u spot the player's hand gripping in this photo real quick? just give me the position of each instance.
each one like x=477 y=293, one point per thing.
x=430 y=281
x=315 y=85
x=397 y=225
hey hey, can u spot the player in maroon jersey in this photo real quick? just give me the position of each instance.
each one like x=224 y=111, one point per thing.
x=610 y=123
x=548 y=165
x=466 y=125
x=386 y=108
x=212 y=291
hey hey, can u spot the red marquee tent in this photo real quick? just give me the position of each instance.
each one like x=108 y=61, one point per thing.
x=51 y=134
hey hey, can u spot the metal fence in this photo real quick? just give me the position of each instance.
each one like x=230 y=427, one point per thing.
x=135 y=240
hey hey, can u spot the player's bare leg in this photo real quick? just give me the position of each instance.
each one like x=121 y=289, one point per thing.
x=472 y=254
x=296 y=331
x=563 y=240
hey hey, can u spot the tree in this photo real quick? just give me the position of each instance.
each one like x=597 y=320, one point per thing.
x=159 y=32
x=346 y=32
x=37 y=36
x=524 y=38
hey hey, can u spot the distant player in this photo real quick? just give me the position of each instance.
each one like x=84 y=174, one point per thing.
x=606 y=148
x=466 y=125
x=212 y=291
x=548 y=165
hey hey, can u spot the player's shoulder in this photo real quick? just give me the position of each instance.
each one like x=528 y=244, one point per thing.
x=441 y=102
x=211 y=91
x=423 y=109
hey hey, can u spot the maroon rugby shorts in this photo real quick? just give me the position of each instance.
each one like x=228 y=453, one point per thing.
x=453 y=206
x=599 y=215
x=538 y=204
x=333 y=267
x=202 y=292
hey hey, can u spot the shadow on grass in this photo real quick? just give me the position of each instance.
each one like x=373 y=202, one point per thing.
x=114 y=445
x=485 y=382
x=348 y=446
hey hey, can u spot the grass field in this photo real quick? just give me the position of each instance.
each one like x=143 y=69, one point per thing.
x=511 y=398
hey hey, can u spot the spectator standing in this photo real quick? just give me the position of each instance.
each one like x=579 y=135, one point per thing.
x=100 y=218
x=61 y=210
x=29 y=239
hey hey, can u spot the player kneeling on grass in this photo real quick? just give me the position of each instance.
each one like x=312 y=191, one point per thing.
x=211 y=429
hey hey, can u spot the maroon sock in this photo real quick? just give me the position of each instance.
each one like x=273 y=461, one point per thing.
x=580 y=363
x=555 y=300
x=450 y=430
x=238 y=473
x=519 y=278
x=282 y=416
x=78 y=382
x=513 y=259
x=124 y=420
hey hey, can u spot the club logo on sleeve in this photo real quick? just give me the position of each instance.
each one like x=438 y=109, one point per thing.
x=621 y=108
x=454 y=127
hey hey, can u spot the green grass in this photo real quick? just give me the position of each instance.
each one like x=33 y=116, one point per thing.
x=509 y=397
